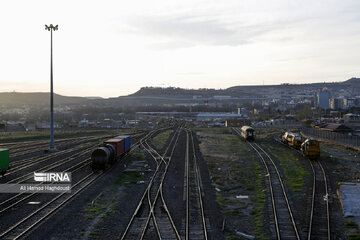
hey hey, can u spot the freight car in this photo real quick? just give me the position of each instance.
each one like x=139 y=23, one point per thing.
x=248 y=133
x=310 y=148
x=4 y=161
x=292 y=139
x=112 y=150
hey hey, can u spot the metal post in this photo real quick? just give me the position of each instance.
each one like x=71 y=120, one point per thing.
x=51 y=97
x=51 y=28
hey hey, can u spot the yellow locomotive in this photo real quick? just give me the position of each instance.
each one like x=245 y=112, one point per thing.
x=310 y=148
x=292 y=139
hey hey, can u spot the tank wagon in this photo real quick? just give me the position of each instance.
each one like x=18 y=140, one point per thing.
x=111 y=150
x=310 y=148
x=248 y=133
x=4 y=161
x=292 y=139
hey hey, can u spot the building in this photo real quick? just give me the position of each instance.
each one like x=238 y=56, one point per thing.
x=336 y=127
x=336 y=103
x=348 y=102
x=323 y=98
x=351 y=118
x=217 y=116
x=238 y=122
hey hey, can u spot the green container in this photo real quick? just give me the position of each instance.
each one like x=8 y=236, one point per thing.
x=4 y=159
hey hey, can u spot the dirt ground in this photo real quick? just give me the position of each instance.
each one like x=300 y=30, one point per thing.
x=237 y=177
x=343 y=165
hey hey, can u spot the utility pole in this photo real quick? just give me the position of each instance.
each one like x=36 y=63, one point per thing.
x=51 y=28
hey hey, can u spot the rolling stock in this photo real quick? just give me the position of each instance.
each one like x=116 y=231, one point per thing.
x=292 y=139
x=310 y=148
x=248 y=133
x=4 y=161
x=111 y=151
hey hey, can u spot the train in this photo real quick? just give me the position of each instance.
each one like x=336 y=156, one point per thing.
x=109 y=152
x=4 y=161
x=292 y=139
x=311 y=148
x=248 y=133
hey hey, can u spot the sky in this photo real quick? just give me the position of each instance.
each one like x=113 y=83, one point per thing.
x=111 y=48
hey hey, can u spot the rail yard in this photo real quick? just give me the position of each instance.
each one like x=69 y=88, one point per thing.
x=176 y=182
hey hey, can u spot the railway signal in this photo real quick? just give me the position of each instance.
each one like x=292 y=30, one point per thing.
x=51 y=28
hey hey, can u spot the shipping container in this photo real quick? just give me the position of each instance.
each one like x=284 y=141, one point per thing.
x=4 y=160
x=127 y=140
x=118 y=144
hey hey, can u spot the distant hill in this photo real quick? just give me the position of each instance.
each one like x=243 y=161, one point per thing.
x=40 y=98
x=353 y=80
x=251 y=90
x=172 y=91
x=155 y=95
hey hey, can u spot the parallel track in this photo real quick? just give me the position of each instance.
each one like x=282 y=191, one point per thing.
x=195 y=216
x=30 y=221
x=319 y=222
x=148 y=207
x=20 y=228
x=285 y=226
x=319 y=226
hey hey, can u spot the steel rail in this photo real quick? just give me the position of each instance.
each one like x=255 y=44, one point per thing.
x=54 y=199
x=146 y=192
x=197 y=176
x=272 y=193
x=152 y=204
x=310 y=232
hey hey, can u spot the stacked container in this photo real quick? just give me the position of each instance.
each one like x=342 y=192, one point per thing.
x=118 y=144
x=127 y=142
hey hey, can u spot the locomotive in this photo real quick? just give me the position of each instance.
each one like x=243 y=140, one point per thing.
x=248 y=133
x=292 y=139
x=111 y=150
x=310 y=148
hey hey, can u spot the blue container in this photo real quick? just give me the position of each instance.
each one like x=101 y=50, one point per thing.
x=127 y=142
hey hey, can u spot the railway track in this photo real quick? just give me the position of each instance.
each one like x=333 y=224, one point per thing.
x=75 y=153
x=27 y=223
x=284 y=223
x=11 y=202
x=319 y=221
x=20 y=228
x=23 y=151
x=23 y=164
x=319 y=225
x=30 y=143
x=152 y=205
x=195 y=217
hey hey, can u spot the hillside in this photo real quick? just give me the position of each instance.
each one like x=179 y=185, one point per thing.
x=236 y=91
x=17 y=98
x=157 y=95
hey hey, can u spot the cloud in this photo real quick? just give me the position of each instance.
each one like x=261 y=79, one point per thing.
x=187 y=31
x=184 y=30
x=170 y=45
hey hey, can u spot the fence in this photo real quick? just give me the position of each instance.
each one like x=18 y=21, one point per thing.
x=341 y=138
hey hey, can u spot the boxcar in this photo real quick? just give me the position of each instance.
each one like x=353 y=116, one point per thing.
x=4 y=160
